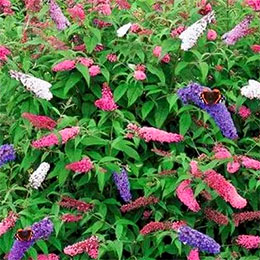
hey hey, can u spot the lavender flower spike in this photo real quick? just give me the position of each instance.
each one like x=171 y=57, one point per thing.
x=58 y=17
x=7 y=154
x=218 y=112
x=41 y=230
x=123 y=186
x=239 y=31
x=198 y=240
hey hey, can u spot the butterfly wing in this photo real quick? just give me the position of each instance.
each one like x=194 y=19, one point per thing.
x=123 y=30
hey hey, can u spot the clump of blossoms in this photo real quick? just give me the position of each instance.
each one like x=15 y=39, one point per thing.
x=41 y=230
x=8 y=222
x=255 y=48
x=71 y=217
x=4 y=52
x=248 y=241
x=47 y=257
x=112 y=57
x=238 y=32
x=177 y=224
x=139 y=73
x=39 y=175
x=41 y=122
x=212 y=35
x=39 y=87
x=243 y=111
x=89 y=246
x=190 y=36
x=177 y=31
x=157 y=52
x=7 y=154
x=52 y=139
x=252 y=90
x=194 y=255
x=33 y=5
x=123 y=185
x=255 y=4
x=219 y=112
x=139 y=203
x=242 y=217
x=101 y=24
x=216 y=216
x=155 y=226
x=123 y=4
x=186 y=196
x=77 y=13
x=84 y=165
x=79 y=205
x=6 y=7
x=198 y=240
x=106 y=102
x=154 y=134
x=220 y=152
x=224 y=188
x=58 y=17
x=65 y=65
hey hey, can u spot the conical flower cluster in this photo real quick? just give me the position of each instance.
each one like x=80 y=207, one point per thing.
x=39 y=175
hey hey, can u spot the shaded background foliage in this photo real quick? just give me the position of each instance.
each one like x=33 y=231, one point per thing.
x=102 y=138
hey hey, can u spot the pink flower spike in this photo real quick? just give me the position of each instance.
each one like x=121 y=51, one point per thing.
x=155 y=226
x=194 y=169
x=224 y=188
x=193 y=255
x=8 y=222
x=48 y=257
x=186 y=196
x=77 y=13
x=88 y=62
x=106 y=102
x=4 y=52
x=250 y=163
x=65 y=66
x=89 y=246
x=85 y=165
x=216 y=216
x=255 y=4
x=94 y=70
x=41 y=122
x=233 y=167
x=52 y=139
x=80 y=205
x=71 y=217
x=248 y=241
x=177 y=224
x=154 y=134
x=221 y=152
x=255 y=48
x=242 y=217
x=157 y=51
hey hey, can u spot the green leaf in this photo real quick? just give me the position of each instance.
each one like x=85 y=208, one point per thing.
x=157 y=71
x=204 y=69
x=84 y=71
x=147 y=108
x=185 y=123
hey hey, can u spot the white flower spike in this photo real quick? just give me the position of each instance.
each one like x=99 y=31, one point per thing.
x=252 y=90
x=39 y=175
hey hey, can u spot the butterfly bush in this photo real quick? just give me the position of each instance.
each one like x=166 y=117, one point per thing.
x=89 y=246
x=9 y=222
x=71 y=203
x=70 y=217
x=194 y=255
x=52 y=139
x=39 y=175
x=7 y=154
x=84 y=165
x=248 y=241
x=242 y=217
x=57 y=16
x=155 y=226
x=190 y=35
x=39 y=87
x=48 y=257
x=216 y=216
x=41 y=230
x=123 y=185
x=252 y=90
x=219 y=112
x=186 y=196
x=238 y=32
x=198 y=240
x=41 y=122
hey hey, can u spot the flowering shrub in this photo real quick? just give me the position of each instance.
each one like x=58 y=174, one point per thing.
x=129 y=129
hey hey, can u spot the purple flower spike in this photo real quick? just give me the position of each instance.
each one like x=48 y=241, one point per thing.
x=218 y=112
x=7 y=154
x=58 y=17
x=41 y=230
x=122 y=183
x=198 y=240
x=238 y=32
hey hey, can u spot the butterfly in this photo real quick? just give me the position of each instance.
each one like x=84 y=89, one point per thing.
x=211 y=97
x=24 y=234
